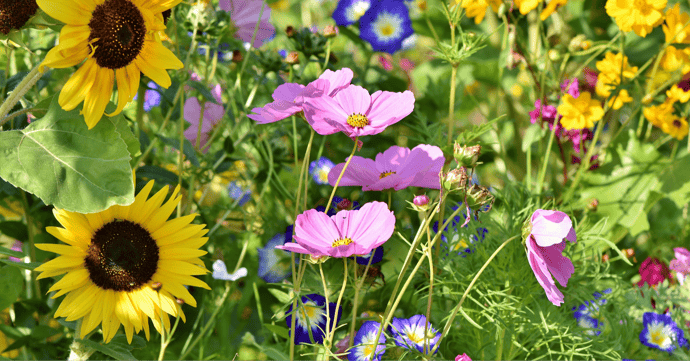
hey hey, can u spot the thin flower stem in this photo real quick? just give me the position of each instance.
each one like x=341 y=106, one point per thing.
x=542 y=174
x=32 y=248
x=337 y=306
x=355 y=301
x=180 y=158
x=26 y=84
x=431 y=290
x=307 y=156
x=328 y=54
x=328 y=316
x=467 y=291
x=354 y=149
x=201 y=334
x=584 y=165
x=451 y=100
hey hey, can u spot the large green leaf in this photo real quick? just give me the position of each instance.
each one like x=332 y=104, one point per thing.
x=676 y=182
x=67 y=165
x=623 y=185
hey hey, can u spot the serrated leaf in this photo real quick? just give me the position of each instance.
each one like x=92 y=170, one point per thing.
x=11 y=285
x=67 y=165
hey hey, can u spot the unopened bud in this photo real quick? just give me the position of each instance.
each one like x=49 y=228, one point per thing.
x=237 y=56
x=554 y=55
x=292 y=58
x=593 y=205
x=330 y=31
x=467 y=156
x=629 y=252
x=478 y=196
x=420 y=203
x=317 y=259
x=605 y=258
x=290 y=31
x=454 y=180
x=344 y=204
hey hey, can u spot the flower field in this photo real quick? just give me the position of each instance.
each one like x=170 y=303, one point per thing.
x=344 y=179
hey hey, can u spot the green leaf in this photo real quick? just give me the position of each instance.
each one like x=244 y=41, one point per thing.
x=532 y=134
x=23 y=265
x=203 y=89
x=122 y=128
x=623 y=185
x=14 y=229
x=11 y=285
x=675 y=182
x=67 y=165
x=11 y=253
x=278 y=330
x=160 y=175
x=274 y=354
x=280 y=295
x=114 y=349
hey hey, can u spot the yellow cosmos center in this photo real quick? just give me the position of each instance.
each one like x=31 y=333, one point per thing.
x=358 y=120
x=341 y=242
x=117 y=31
x=385 y=174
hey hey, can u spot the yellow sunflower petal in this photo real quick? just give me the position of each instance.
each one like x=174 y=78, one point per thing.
x=110 y=328
x=73 y=36
x=99 y=97
x=68 y=11
x=173 y=226
x=124 y=92
x=181 y=267
x=61 y=262
x=69 y=236
x=183 y=279
x=180 y=254
x=60 y=57
x=157 y=6
x=78 y=85
x=61 y=249
x=181 y=235
x=71 y=281
x=148 y=208
x=162 y=213
x=153 y=61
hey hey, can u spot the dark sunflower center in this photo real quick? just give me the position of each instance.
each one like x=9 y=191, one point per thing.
x=15 y=13
x=119 y=27
x=685 y=85
x=122 y=256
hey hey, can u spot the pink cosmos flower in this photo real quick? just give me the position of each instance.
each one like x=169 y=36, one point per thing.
x=347 y=233
x=245 y=14
x=681 y=264
x=545 y=246
x=356 y=113
x=396 y=168
x=462 y=357
x=289 y=98
x=213 y=113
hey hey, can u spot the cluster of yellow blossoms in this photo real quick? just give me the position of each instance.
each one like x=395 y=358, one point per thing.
x=477 y=8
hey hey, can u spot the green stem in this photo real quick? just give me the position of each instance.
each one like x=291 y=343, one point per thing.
x=542 y=174
x=143 y=156
x=26 y=84
x=451 y=100
x=584 y=165
x=337 y=307
x=342 y=172
x=328 y=54
x=467 y=291
x=20 y=112
x=32 y=248
x=431 y=291
x=212 y=319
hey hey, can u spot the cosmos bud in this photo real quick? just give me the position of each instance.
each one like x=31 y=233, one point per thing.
x=466 y=156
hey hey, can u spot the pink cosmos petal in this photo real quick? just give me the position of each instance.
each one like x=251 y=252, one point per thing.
x=217 y=91
x=550 y=227
x=192 y=111
x=353 y=100
x=338 y=80
x=315 y=89
x=245 y=14
x=359 y=172
x=421 y=166
x=273 y=112
x=389 y=108
x=560 y=266
x=315 y=230
x=371 y=226
x=265 y=31
x=323 y=113
x=213 y=113
x=541 y=271
x=294 y=247
x=391 y=159
x=287 y=91
x=387 y=182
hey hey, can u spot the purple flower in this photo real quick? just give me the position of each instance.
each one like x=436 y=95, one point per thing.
x=661 y=332
x=410 y=333
x=396 y=168
x=311 y=315
x=545 y=245
x=319 y=170
x=364 y=343
x=245 y=14
x=213 y=113
x=571 y=86
x=274 y=264
x=587 y=313
x=16 y=246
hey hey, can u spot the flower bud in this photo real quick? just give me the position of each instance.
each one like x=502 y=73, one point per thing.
x=478 y=196
x=237 y=56
x=330 y=31
x=420 y=203
x=345 y=204
x=454 y=180
x=593 y=204
x=467 y=156
x=292 y=58
x=290 y=31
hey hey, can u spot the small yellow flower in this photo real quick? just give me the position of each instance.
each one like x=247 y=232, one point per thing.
x=673 y=27
x=640 y=16
x=657 y=114
x=516 y=90
x=675 y=59
x=675 y=126
x=579 y=113
x=477 y=8
x=551 y=7
x=610 y=72
x=617 y=102
x=526 y=6
x=679 y=94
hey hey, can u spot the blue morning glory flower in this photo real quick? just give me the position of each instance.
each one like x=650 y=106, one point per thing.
x=319 y=170
x=377 y=253
x=312 y=316
x=661 y=332
x=409 y=333
x=152 y=98
x=587 y=313
x=457 y=242
x=274 y=264
x=238 y=193
x=349 y=11
x=385 y=25
x=364 y=343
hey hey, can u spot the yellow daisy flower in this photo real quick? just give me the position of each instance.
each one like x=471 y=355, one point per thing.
x=618 y=101
x=525 y=6
x=640 y=16
x=477 y=8
x=675 y=126
x=673 y=26
x=579 y=113
x=657 y=114
x=126 y=264
x=680 y=93
x=610 y=72
x=551 y=7
x=117 y=38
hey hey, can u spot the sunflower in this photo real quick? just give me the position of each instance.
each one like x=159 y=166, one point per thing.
x=118 y=39
x=126 y=264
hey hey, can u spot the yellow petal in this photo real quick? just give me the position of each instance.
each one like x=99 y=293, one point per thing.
x=78 y=85
x=181 y=267
x=61 y=249
x=99 y=97
x=68 y=11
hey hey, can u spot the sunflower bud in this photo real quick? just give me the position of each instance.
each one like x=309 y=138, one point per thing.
x=467 y=156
